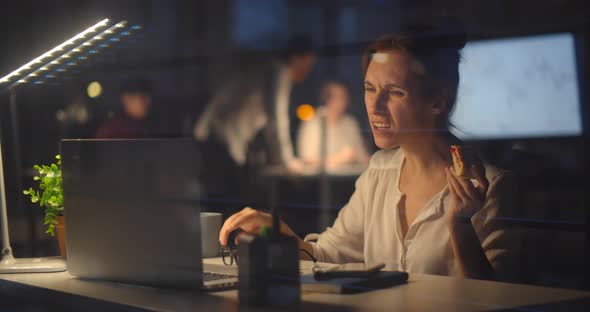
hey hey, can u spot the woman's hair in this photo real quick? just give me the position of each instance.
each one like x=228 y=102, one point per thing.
x=437 y=49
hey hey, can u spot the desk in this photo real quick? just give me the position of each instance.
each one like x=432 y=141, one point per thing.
x=422 y=293
x=314 y=171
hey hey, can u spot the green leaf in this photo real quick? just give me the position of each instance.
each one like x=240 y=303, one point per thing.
x=49 y=196
x=49 y=217
x=50 y=230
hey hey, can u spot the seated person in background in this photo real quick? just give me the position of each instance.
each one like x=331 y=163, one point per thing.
x=344 y=144
x=136 y=98
x=411 y=209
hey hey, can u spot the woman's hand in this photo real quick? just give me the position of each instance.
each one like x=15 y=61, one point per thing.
x=466 y=199
x=251 y=221
x=295 y=165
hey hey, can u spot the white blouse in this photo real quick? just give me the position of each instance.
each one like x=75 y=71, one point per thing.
x=345 y=133
x=368 y=228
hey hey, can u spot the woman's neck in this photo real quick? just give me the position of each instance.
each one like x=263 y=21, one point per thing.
x=332 y=120
x=426 y=153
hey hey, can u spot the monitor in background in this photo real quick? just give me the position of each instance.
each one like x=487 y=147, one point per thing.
x=523 y=87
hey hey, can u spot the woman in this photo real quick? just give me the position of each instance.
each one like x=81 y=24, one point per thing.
x=410 y=210
x=344 y=144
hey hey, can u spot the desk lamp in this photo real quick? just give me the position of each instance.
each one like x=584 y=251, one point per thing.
x=41 y=70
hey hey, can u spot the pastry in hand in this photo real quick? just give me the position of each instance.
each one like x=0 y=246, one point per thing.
x=464 y=162
x=458 y=162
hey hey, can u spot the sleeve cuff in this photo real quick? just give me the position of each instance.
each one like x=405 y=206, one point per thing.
x=317 y=252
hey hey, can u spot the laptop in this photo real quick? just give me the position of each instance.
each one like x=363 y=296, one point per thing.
x=132 y=213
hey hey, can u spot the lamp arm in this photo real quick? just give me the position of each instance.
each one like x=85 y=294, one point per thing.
x=6 y=253
x=8 y=264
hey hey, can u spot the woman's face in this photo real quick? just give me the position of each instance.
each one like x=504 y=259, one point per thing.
x=337 y=99
x=397 y=112
x=136 y=104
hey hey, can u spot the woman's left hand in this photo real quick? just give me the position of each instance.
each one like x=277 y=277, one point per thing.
x=466 y=199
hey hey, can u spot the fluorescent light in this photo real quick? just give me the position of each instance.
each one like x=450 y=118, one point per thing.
x=60 y=47
x=91 y=44
x=79 y=48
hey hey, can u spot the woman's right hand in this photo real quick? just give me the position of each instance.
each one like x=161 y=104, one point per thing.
x=251 y=221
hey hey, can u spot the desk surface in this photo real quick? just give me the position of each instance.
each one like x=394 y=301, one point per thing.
x=422 y=293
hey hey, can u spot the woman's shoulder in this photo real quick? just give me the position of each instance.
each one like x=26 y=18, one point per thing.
x=311 y=123
x=385 y=159
x=349 y=120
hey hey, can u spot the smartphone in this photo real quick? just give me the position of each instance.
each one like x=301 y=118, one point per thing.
x=348 y=270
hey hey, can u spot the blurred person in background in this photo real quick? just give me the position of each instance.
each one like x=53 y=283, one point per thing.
x=130 y=122
x=254 y=106
x=344 y=143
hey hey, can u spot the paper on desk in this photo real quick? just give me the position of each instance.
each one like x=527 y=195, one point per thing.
x=305 y=266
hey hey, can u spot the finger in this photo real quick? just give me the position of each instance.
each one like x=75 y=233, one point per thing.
x=244 y=218
x=468 y=188
x=453 y=180
x=479 y=172
x=251 y=228
x=248 y=220
x=454 y=195
x=224 y=232
x=237 y=215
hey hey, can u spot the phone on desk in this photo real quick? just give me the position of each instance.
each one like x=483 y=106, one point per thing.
x=348 y=270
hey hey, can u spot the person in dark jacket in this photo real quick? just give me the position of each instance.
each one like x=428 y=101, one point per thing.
x=130 y=123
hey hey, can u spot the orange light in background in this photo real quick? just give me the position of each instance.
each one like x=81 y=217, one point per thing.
x=305 y=112
x=94 y=89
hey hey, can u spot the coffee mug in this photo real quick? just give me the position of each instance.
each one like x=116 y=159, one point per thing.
x=210 y=227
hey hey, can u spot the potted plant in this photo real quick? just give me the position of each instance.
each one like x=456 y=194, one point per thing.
x=50 y=196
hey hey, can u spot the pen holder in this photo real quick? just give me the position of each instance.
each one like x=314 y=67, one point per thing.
x=268 y=271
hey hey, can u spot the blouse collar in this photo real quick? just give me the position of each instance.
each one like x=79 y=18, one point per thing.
x=435 y=205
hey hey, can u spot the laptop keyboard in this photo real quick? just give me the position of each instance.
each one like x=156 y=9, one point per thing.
x=210 y=276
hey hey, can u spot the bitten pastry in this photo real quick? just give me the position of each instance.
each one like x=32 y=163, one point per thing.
x=458 y=160
x=466 y=163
